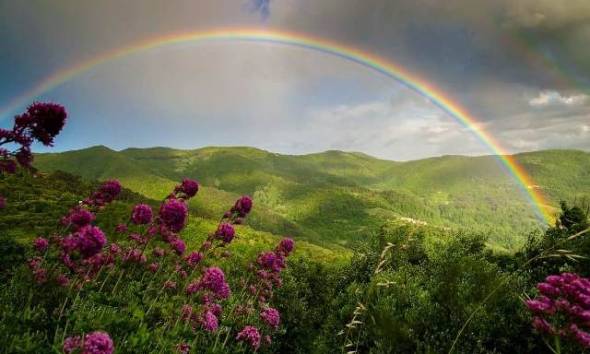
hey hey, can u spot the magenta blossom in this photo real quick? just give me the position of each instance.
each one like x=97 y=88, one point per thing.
x=563 y=307
x=91 y=239
x=209 y=321
x=243 y=206
x=46 y=121
x=188 y=187
x=173 y=214
x=225 y=232
x=214 y=280
x=110 y=190
x=250 y=335
x=40 y=244
x=286 y=246
x=271 y=317
x=81 y=217
x=72 y=344
x=142 y=214
x=178 y=246
x=98 y=342
x=194 y=258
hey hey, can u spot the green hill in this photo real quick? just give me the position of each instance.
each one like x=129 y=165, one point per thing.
x=337 y=197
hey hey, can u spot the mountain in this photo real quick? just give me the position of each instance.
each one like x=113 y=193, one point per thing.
x=338 y=197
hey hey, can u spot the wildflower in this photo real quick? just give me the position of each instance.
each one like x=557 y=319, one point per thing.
x=98 y=342
x=81 y=217
x=178 y=246
x=215 y=309
x=225 y=232
x=173 y=214
x=153 y=267
x=194 y=258
x=46 y=120
x=114 y=248
x=62 y=280
x=40 y=244
x=110 y=190
x=90 y=240
x=214 y=280
x=286 y=246
x=158 y=252
x=250 y=335
x=71 y=344
x=271 y=261
x=40 y=275
x=271 y=317
x=188 y=187
x=209 y=321
x=192 y=288
x=243 y=206
x=142 y=214
x=563 y=307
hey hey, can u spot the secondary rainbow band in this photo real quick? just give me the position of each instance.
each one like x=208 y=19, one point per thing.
x=385 y=67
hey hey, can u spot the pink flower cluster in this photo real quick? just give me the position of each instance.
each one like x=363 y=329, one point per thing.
x=97 y=342
x=563 y=307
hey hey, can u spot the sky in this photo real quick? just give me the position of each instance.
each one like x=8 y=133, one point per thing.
x=521 y=68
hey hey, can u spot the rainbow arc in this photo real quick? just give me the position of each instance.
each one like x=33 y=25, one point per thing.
x=374 y=62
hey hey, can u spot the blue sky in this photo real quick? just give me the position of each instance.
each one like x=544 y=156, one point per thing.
x=293 y=100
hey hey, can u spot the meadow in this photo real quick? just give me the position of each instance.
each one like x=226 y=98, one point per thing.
x=104 y=251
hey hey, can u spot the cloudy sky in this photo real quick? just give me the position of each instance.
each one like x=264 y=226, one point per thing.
x=520 y=67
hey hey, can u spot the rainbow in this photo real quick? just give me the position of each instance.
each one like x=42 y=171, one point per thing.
x=380 y=65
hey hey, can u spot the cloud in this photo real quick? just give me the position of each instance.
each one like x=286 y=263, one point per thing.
x=551 y=98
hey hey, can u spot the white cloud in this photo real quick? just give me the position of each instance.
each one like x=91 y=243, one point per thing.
x=550 y=98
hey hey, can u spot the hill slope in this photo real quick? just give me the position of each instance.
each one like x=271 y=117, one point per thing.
x=338 y=197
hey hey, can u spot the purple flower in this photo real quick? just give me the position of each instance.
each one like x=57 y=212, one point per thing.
x=541 y=325
x=46 y=121
x=250 y=335
x=178 y=246
x=90 y=240
x=173 y=214
x=243 y=206
x=209 y=321
x=214 y=280
x=225 y=232
x=193 y=287
x=188 y=187
x=271 y=317
x=548 y=289
x=71 y=344
x=582 y=337
x=543 y=304
x=62 y=280
x=286 y=246
x=153 y=267
x=98 y=342
x=142 y=214
x=271 y=261
x=81 y=217
x=158 y=252
x=40 y=244
x=194 y=258
x=110 y=190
